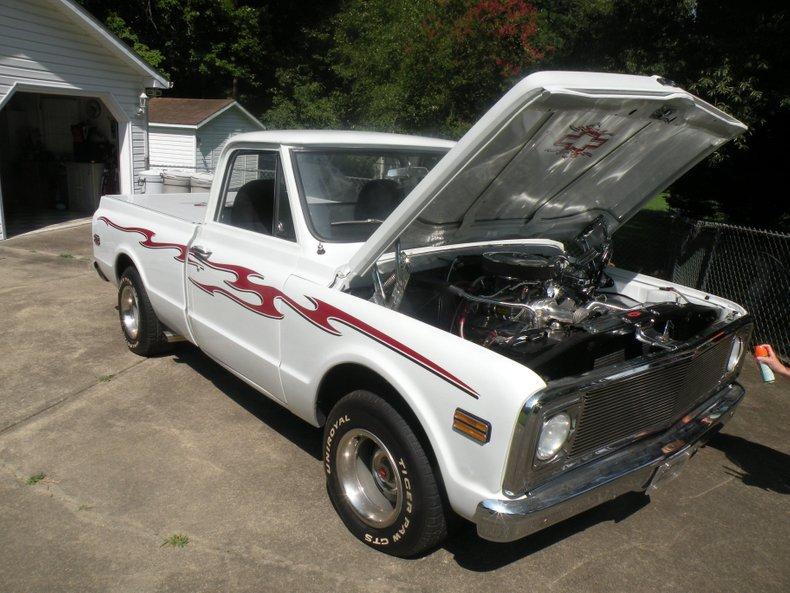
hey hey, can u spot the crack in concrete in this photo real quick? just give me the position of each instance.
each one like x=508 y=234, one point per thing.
x=708 y=490
x=586 y=561
x=25 y=251
x=34 y=284
x=65 y=398
x=251 y=553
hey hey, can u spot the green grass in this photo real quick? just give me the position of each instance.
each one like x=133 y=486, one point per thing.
x=84 y=507
x=177 y=540
x=658 y=204
x=66 y=256
x=36 y=478
x=105 y=378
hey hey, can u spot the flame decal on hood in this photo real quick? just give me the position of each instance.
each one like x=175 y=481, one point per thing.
x=321 y=314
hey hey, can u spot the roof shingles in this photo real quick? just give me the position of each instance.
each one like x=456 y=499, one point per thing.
x=184 y=112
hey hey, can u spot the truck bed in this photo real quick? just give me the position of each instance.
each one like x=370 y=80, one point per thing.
x=153 y=230
x=188 y=207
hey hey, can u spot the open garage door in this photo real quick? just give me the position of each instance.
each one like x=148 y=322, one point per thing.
x=58 y=155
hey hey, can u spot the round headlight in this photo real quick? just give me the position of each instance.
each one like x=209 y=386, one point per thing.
x=735 y=354
x=553 y=435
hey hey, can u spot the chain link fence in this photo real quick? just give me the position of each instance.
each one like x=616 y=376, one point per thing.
x=746 y=265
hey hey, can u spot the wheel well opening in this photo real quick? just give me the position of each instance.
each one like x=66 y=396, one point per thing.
x=123 y=262
x=345 y=378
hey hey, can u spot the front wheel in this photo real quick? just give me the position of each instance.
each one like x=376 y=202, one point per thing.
x=379 y=477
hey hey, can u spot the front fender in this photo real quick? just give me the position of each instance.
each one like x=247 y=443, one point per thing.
x=435 y=372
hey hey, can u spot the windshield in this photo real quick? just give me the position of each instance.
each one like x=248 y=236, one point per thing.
x=347 y=193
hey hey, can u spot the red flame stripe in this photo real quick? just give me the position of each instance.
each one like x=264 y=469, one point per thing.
x=148 y=242
x=322 y=314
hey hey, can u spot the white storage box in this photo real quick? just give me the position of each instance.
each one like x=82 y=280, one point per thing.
x=200 y=183
x=176 y=181
x=151 y=181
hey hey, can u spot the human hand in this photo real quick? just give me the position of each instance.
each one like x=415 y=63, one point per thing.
x=773 y=362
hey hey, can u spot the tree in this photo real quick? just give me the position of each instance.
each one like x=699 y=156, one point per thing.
x=435 y=66
x=416 y=65
x=732 y=54
x=208 y=48
x=740 y=63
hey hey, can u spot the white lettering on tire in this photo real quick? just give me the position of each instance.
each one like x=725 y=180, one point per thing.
x=328 y=445
x=400 y=532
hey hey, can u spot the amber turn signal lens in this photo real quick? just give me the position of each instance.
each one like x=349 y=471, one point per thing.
x=469 y=425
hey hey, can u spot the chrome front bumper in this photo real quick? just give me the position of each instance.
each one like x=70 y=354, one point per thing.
x=628 y=470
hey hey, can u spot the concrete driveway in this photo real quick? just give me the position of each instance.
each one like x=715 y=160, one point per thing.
x=134 y=451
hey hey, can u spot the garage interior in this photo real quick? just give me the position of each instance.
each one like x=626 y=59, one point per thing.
x=58 y=156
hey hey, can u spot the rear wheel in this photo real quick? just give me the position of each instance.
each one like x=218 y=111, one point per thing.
x=143 y=332
x=379 y=478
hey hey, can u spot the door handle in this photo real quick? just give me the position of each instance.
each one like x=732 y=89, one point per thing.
x=199 y=252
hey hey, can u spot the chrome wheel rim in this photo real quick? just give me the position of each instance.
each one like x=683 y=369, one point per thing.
x=369 y=478
x=130 y=312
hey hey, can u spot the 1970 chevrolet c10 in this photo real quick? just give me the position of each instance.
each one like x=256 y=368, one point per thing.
x=448 y=312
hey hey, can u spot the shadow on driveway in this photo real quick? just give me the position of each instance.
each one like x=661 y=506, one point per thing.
x=469 y=550
x=306 y=437
x=757 y=465
x=479 y=555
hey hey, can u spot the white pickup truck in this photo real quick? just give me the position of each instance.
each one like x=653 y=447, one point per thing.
x=448 y=312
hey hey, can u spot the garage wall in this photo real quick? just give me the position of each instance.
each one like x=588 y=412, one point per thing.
x=213 y=135
x=41 y=45
x=171 y=147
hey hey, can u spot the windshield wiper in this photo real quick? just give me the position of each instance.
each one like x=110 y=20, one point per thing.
x=363 y=221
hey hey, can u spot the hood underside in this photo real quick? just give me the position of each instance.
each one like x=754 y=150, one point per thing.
x=559 y=150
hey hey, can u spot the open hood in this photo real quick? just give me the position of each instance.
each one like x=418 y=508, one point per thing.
x=557 y=151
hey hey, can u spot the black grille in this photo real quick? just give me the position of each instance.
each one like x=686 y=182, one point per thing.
x=609 y=359
x=647 y=401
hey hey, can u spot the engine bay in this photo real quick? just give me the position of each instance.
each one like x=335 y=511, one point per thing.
x=556 y=312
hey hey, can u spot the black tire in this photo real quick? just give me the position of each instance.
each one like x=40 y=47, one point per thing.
x=421 y=523
x=150 y=336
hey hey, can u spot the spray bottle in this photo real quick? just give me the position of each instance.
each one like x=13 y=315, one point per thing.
x=765 y=370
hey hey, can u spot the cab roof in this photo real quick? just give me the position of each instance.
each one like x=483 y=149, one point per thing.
x=340 y=138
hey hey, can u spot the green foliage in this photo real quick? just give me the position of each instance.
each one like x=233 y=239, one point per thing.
x=177 y=540
x=732 y=54
x=412 y=65
x=434 y=66
x=300 y=101
x=739 y=60
x=117 y=25
x=208 y=48
x=35 y=478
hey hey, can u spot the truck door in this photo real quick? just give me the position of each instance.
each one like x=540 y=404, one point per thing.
x=238 y=263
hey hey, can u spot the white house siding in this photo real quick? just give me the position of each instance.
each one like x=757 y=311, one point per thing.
x=44 y=49
x=213 y=135
x=171 y=147
x=139 y=150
